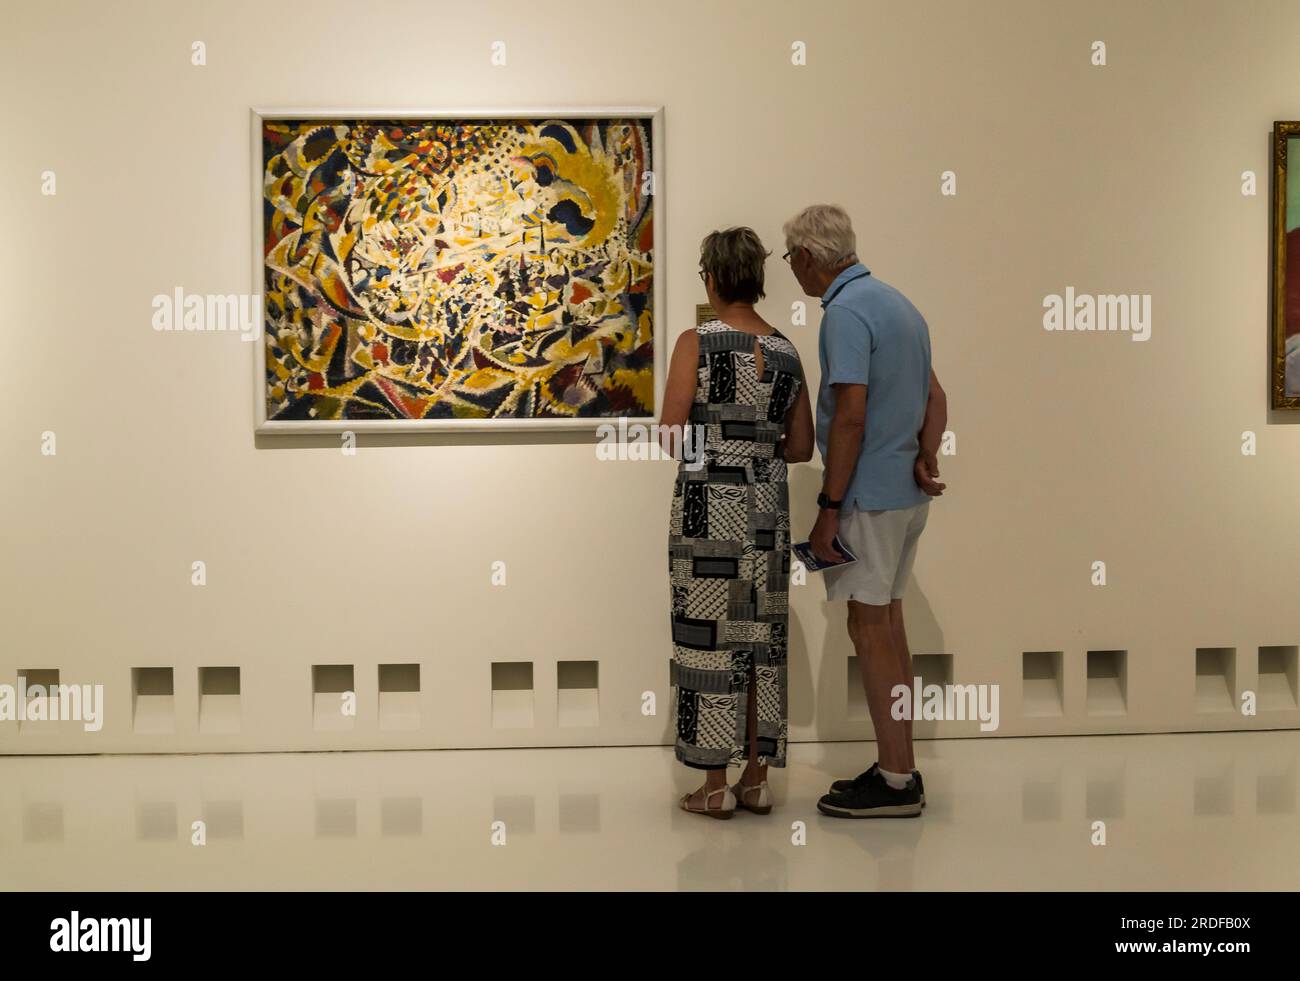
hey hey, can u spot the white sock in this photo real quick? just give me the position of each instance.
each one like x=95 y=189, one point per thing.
x=898 y=781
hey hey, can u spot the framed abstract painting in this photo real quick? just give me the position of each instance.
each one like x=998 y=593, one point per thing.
x=1284 y=329
x=457 y=270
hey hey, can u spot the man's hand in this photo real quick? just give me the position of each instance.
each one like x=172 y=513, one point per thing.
x=823 y=536
x=926 y=472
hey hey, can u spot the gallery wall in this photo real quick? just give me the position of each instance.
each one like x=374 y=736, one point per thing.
x=1071 y=448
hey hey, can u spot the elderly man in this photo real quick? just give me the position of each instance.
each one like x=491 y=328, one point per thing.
x=880 y=417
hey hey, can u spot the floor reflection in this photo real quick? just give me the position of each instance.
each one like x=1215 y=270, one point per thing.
x=1003 y=813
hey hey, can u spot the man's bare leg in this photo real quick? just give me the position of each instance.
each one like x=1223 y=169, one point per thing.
x=872 y=632
x=905 y=666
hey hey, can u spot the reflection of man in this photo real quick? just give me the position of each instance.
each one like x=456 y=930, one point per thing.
x=880 y=417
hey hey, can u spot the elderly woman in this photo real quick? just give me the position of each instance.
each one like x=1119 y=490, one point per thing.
x=737 y=382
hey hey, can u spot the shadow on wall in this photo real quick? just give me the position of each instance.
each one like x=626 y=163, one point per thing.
x=805 y=484
x=826 y=711
x=924 y=636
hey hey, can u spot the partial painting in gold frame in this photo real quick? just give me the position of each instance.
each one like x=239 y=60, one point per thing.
x=1284 y=329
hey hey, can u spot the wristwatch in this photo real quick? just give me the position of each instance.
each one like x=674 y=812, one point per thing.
x=824 y=502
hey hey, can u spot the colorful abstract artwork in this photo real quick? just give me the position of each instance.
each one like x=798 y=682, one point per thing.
x=1285 y=327
x=436 y=269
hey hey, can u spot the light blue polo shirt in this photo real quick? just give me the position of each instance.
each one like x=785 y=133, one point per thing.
x=872 y=335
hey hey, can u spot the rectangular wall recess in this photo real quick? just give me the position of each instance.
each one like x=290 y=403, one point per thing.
x=577 y=693
x=855 y=701
x=932 y=669
x=219 y=712
x=1277 y=679
x=1107 y=682
x=332 y=710
x=1216 y=679
x=153 y=700
x=42 y=699
x=1043 y=683
x=512 y=695
x=399 y=696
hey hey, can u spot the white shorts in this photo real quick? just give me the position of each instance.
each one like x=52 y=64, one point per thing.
x=885 y=544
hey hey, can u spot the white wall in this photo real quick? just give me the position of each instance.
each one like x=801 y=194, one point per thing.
x=1071 y=448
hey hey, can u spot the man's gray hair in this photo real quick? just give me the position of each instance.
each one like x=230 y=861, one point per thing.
x=826 y=232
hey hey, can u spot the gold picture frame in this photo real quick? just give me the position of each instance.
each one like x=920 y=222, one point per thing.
x=1284 y=321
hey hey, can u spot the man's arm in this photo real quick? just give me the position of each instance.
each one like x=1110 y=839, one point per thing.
x=846 y=340
x=844 y=441
x=926 y=470
x=843 y=447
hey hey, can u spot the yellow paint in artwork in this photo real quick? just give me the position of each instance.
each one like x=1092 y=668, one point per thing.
x=328 y=408
x=345 y=390
x=641 y=383
x=405 y=333
x=345 y=243
x=280 y=260
x=484 y=378
x=594 y=176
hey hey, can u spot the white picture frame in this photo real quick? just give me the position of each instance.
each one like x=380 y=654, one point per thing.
x=265 y=426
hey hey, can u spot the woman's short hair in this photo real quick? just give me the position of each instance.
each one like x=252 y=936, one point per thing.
x=825 y=231
x=734 y=258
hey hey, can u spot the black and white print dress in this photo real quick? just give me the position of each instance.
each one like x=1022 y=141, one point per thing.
x=729 y=552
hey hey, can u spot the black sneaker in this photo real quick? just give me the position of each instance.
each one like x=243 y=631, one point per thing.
x=873 y=798
x=844 y=786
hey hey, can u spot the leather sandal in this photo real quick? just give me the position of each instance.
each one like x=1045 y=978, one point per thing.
x=727 y=810
x=754 y=798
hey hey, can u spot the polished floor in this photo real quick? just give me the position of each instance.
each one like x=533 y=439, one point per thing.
x=1190 y=811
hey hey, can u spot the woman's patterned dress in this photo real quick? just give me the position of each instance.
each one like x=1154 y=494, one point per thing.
x=728 y=552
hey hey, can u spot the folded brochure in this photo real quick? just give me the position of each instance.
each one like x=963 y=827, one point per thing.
x=804 y=553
